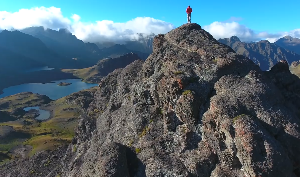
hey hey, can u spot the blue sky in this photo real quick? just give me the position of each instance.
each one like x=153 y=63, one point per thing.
x=256 y=15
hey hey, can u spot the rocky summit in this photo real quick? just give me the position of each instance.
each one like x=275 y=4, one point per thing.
x=193 y=108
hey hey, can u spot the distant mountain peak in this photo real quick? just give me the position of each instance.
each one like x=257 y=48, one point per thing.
x=234 y=39
x=64 y=30
x=264 y=41
x=39 y=27
x=289 y=43
x=288 y=37
x=146 y=34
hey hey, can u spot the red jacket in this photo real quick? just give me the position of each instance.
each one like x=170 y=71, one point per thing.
x=189 y=10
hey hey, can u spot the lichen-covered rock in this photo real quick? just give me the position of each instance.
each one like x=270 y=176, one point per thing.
x=46 y=163
x=109 y=161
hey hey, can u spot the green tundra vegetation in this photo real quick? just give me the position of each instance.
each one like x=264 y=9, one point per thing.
x=22 y=129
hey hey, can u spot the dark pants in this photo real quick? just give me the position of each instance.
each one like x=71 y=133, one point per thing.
x=189 y=17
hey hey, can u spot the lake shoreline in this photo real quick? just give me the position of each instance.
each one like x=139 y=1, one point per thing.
x=48 y=108
x=37 y=82
x=45 y=76
x=50 y=89
x=41 y=112
x=62 y=117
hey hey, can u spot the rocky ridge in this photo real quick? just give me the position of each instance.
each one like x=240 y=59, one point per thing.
x=193 y=108
x=196 y=108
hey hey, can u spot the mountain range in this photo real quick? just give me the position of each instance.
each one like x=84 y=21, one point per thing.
x=62 y=49
x=194 y=107
x=263 y=53
x=142 y=43
x=31 y=51
x=67 y=45
x=36 y=47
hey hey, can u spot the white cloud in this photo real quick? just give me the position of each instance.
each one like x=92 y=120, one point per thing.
x=227 y=29
x=75 y=17
x=40 y=16
x=104 y=30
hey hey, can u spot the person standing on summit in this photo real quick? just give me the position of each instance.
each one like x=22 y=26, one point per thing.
x=189 y=12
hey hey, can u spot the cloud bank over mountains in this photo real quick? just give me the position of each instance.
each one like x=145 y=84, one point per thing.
x=233 y=28
x=106 y=30
x=40 y=16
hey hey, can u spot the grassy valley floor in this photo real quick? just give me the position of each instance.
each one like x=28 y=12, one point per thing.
x=23 y=135
x=295 y=70
x=88 y=75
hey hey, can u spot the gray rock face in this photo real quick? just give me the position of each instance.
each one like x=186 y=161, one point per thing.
x=193 y=108
x=45 y=163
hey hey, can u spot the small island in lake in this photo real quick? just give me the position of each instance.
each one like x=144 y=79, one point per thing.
x=64 y=84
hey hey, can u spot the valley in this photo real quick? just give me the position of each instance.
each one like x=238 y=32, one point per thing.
x=36 y=47
x=40 y=105
x=22 y=135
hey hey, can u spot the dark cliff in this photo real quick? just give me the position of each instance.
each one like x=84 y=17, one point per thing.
x=193 y=108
